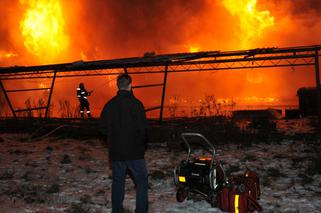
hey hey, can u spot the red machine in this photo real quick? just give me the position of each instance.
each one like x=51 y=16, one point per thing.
x=204 y=176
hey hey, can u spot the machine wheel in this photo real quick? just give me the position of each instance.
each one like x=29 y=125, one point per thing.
x=181 y=195
x=241 y=188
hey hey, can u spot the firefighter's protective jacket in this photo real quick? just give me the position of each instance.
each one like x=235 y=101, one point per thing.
x=82 y=93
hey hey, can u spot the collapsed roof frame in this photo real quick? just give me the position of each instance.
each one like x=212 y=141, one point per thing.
x=167 y=63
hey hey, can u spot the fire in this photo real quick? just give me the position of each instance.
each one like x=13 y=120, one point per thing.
x=252 y=25
x=252 y=21
x=253 y=76
x=83 y=56
x=4 y=55
x=43 y=29
x=194 y=49
x=257 y=100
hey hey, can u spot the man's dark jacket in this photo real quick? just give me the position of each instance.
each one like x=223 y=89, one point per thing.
x=123 y=120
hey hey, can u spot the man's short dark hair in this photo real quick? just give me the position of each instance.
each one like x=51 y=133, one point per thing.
x=123 y=81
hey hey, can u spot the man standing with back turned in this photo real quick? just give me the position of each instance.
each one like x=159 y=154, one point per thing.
x=123 y=120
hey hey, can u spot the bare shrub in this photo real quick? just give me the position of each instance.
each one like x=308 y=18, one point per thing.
x=28 y=105
x=65 y=109
x=76 y=110
x=173 y=104
x=4 y=109
x=40 y=103
x=210 y=106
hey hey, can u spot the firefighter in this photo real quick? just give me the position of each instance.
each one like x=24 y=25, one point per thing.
x=82 y=97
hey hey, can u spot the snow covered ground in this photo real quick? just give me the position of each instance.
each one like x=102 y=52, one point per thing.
x=67 y=175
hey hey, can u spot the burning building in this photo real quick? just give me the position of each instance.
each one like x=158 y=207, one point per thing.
x=56 y=31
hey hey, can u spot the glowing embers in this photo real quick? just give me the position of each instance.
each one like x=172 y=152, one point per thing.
x=252 y=21
x=42 y=28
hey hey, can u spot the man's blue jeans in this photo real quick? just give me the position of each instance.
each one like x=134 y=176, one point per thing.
x=139 y=173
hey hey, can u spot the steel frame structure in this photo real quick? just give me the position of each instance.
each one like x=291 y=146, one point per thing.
x=169 y=63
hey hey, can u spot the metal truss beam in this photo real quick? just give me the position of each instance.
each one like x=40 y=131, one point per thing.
x=50 y=94
x=173 y=63
x=8 y=100
x=186 y=62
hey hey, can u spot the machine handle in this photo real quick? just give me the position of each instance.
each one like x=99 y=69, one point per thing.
x=185 y=134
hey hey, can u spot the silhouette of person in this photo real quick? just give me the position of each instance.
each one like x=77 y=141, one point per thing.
x=82 y=95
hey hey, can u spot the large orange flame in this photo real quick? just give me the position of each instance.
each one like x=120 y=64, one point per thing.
x=252 y=21
x=252 y=25
x=43 y=29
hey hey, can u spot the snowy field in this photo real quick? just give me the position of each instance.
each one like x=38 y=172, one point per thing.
x=66 y=175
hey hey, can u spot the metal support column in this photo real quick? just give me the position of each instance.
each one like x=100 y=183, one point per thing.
x=8 y=100
x=317 y=77
x=50 y=94
x=163 y=95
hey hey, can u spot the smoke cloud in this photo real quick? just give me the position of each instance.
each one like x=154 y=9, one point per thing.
x=126 y=28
